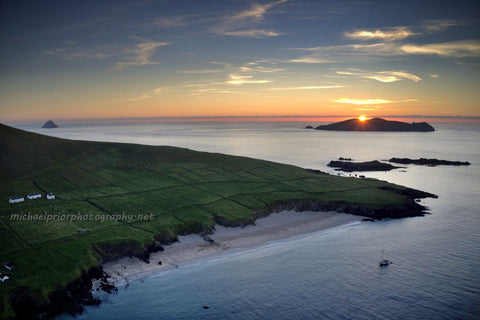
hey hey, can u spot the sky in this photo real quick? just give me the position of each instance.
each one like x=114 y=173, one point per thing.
x=176 y=58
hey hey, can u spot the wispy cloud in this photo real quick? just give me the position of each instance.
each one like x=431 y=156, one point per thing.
x=442 y=24
x=240 y=80
x=73 y=51
x=214 y=90
x=458 y=49
x=305 y=88
x=264 y=66
x=169 y=22
x=382 y=76
x=351 y=52
x=311 y=59
x=241 y=24
x=369 y=102
x=362 y=101
x=200 y=71
x=140 y=97
x=435 y=76
x=389 y=34
x=141 y=54
x=252 y=33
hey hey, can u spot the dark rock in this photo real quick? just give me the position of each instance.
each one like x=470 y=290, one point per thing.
x=348 y=166
x=206 y=307
x=368 y=219
x=308 y=127
x=49 y=125
x=429 y=162
x=376 y=124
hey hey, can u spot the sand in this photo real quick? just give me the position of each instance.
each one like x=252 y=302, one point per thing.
x=277 y=226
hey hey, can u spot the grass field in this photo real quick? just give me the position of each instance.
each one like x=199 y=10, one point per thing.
x=183 y=190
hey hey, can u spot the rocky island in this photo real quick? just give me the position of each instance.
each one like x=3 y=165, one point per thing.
x=49 y=125
x=376 y=124
x=429 y=162
x=348 y=166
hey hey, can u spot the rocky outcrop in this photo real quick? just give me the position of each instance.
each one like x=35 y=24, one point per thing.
x=429 y=162
x=348 y=166
x=71 y=299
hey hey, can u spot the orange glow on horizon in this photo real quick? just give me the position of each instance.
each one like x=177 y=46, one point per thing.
x=362 y=118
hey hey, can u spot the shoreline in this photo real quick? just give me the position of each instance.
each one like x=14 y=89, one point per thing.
x=189 y=248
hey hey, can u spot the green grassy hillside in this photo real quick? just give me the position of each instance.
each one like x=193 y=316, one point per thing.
x=183 y=191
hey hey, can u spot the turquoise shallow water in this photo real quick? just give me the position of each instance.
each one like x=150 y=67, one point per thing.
x=330 y=274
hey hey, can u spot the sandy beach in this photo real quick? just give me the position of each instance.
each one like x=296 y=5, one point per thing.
x=277 y=226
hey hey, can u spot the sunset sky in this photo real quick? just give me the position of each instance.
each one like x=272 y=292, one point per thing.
x=110 y=59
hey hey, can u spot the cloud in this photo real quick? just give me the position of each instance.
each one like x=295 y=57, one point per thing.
x=435 y=76
x=441 y=24
x=141 y=97
x=370 y=101
x=141 y=54
x=263 y=66
x=352 y=52
x=382 y=76
x=200 y=71
x=74 y=52
x=169 y=22
x=256 y=12
x=213 y=90
x=241 y=24
x=362 y=101
x=240 y=80
x=458 y=49
x=311 y=59
x=305 y=88
x=389 y=34
x=253 y=33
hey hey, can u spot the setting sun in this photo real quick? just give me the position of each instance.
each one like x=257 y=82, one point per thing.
x=362 y=118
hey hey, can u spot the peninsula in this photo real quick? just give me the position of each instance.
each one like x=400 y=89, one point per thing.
x=376 y=124
x=115 y=200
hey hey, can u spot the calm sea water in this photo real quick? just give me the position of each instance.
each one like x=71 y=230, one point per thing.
x=330 y=274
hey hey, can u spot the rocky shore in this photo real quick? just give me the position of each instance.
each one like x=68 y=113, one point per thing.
x=78 y=293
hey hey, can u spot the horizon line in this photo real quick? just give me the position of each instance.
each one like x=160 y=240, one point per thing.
x=237 y=118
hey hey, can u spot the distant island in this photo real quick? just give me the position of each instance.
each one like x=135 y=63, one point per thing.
x=348 y=166
x=49 y=125
x=375 y=124
x=429 y=162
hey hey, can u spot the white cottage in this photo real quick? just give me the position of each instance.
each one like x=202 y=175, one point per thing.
x=16 y=199
x=34 y=196
x=50 y=196
x=4 y=277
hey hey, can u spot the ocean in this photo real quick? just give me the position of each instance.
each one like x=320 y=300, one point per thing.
x=330 y=274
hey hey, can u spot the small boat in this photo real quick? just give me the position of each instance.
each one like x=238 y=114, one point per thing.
x=384 y=262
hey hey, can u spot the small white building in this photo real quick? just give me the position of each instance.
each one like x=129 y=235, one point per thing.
x=50 y=196
x=16 y=199
x=4 y=277
x=10 y=266
x=34 y=196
